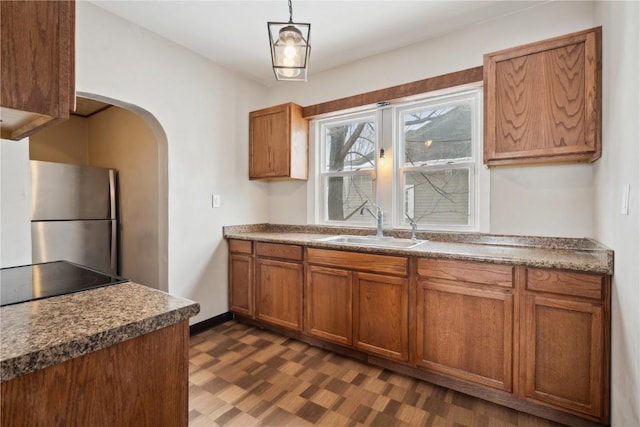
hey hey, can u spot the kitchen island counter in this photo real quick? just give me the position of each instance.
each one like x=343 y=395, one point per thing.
x=36 y=335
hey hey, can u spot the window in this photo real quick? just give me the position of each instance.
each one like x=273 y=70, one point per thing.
x=347 y=167
x=437 y=160
x=434 y=178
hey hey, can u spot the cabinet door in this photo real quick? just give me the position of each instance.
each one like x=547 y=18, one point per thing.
x=381 y=323
x=564 y=353
x=328 y=296
x=269 y=144
x=542 y=101
x=465 y=332
x=241 y=284
x=278 y=143
x=38 y=87
x=278 y=290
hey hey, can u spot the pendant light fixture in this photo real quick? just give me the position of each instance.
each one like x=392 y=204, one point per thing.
x=289 y=48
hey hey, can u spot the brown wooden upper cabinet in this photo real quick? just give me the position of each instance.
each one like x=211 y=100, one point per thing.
x=543 y=101
x=38 y=78
x=278 y=143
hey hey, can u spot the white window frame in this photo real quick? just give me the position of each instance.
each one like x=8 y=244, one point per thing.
x=386 y=178
x=473 y=163
x=318 y=127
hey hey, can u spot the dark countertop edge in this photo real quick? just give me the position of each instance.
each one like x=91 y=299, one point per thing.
x=53 y=355
x=602 y=255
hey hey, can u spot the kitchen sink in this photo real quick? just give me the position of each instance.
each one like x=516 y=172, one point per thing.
x=382 y=242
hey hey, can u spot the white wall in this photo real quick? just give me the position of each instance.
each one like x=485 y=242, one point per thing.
x=15 y=203
x=203 y=110
x=549 y=201
x=618 y=166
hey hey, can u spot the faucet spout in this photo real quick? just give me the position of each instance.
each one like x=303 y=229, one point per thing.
x=377 y=216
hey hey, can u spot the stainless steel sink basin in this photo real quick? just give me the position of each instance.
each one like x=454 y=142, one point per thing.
x=382 y=242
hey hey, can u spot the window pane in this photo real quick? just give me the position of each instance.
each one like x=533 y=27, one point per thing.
x=346 y=195
x=350 y=146
x=437 y=197
x=436 y=134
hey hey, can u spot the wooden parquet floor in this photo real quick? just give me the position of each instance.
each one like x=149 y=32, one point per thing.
x=241 y=375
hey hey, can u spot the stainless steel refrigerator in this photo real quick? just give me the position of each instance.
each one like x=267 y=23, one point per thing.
x=74 y=215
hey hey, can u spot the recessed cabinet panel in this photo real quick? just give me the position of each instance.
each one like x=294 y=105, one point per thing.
x=465 y=332
x=278 y=290
x=241 y=284
x=469 y=272
x=381 y=313
x=329 y=300
x=385 y=264
x=564 y=354
x=543 y=101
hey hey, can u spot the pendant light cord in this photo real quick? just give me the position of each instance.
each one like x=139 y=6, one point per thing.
x=290 y=12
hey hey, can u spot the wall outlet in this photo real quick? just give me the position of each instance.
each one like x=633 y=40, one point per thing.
x=215 y=201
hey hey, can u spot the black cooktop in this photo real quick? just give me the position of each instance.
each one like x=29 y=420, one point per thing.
x=36 y=281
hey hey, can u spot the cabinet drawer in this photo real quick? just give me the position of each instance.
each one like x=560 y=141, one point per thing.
x=360 y=262
x=470 y=272
x=240 y=246
x=566 y=283
x=278 y=250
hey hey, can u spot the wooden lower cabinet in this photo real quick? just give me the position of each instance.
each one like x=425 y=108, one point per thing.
x=142 y=381
x=465 y=332
x=359 y=299
x=241 y=277
x=534 y=339
x=241 y=284
x=464 y=321
x=565 y=346
x=278 y=288
x=381 y=315
x=329 y=302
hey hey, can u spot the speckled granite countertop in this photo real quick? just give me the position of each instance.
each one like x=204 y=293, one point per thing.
x=551 y=252
x=42 y=333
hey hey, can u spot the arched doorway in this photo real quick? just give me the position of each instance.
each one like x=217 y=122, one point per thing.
x=110 y=133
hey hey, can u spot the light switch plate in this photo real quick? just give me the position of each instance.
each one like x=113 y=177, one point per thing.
x=215 y=201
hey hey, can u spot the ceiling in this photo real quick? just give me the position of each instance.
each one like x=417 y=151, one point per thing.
x=234 y=33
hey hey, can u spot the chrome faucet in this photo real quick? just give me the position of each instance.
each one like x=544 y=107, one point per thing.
x=414 y=226
x=377 y=216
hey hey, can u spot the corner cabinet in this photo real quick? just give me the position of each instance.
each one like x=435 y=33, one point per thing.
x=278 y=143
x=543 y=101
x=37 y=67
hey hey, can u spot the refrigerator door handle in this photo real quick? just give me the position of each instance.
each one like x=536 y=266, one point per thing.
x=114 y=246
x=112 y=193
